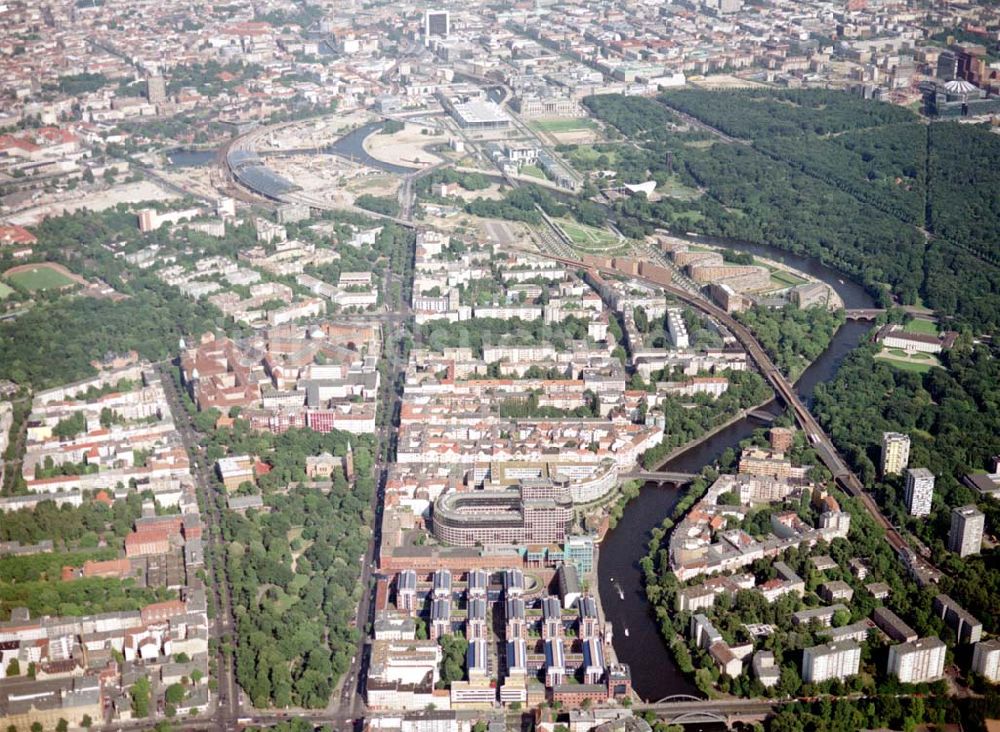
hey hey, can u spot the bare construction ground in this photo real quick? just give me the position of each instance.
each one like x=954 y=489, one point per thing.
x=97 y=201
x=406 y=147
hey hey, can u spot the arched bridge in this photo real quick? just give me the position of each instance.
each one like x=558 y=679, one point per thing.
x=685 y=709
x=863 y=313
x=661 y=476
x=679 y=698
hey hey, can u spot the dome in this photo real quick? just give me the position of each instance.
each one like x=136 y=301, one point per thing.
x=960 y=86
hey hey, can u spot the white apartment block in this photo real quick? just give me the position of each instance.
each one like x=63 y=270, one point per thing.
x=917 y=661
x=677 y=329
x=895 y=453
x=986 y=659
x=830 y=661
x=919 y=491
x=966 y=535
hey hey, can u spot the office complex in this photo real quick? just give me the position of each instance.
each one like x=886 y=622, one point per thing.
x=537 y=511
x=966 y=535
x=437 y=24
x=919 y=491
x=918 y=661
x=895 y=453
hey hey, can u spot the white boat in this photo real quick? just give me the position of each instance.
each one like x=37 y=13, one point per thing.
x=621 y=594
x=626 y=632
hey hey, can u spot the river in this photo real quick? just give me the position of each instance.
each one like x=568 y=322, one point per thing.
x=352 y=146
x=654 y=674
x=181 y=158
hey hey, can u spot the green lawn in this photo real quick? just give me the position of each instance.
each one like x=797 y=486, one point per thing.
x=924 y=327
x=690 y=217
x=588 y=238
x=4 y=291
x=586 y=156
x=534 y=171
x=673 y=188
x=903 y=364
x=786 y=278
x=559 y=124
x=40 y=278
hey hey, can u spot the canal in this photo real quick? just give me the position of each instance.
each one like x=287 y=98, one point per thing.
x=654 y=674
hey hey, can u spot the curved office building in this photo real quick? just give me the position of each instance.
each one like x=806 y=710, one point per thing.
x=535 y=512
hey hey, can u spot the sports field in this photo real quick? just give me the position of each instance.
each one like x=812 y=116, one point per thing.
x=559 y=124
x=39 y=277
x=921 y=326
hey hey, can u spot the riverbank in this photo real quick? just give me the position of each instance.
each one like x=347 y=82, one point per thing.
x=834 y=301
x=742 y=415
x=654 y=673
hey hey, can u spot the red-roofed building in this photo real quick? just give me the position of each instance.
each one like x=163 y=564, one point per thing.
x=149 y=541
x=19 y=239
x=15 y=147
x=157 y=612
x=119 y=568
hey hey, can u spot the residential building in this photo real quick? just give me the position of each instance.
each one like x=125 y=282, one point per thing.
x=986 y=660
x=918 y=661
x=406 y=592
x=966 y=535
x=703 y=632
x=893 y=626
x=765 y=669
x=235 y=471
x=895 y=453
x=919 y=491
x=967 y=628
x=838 y=660
x=836 y=591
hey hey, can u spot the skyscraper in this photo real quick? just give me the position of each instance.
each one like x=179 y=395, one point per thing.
x=966 y=535
x=437 y=23
x=919 y=491
x=156 y=89
x=895 y=453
